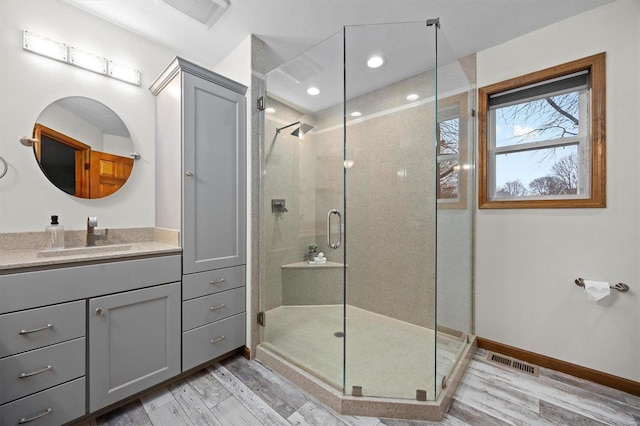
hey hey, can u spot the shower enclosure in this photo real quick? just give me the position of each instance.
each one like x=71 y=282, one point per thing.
x=373 y=166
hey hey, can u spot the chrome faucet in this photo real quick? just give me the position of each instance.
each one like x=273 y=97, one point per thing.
x=92 y=222
x=92 y=234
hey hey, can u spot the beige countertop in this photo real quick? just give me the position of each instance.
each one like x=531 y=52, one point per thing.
x=18 y=256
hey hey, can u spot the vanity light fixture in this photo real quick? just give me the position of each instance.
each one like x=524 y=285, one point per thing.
x=44 y=46
x=87 y=60
x=124 y=73
x=62 y=52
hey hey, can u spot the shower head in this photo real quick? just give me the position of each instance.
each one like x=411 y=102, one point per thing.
x=301 y=127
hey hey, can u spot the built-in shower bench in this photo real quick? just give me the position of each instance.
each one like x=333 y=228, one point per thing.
x=312 y=284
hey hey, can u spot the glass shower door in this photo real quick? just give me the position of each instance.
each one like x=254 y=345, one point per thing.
x=390 y=210
x=302 y=288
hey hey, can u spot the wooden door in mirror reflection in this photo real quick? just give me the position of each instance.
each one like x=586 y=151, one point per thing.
x=107 y=173
x=77 y=169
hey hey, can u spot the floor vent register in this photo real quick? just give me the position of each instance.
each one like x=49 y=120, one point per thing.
x=514 y=364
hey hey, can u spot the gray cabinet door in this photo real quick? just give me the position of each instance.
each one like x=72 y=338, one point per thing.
x=214 y=163
x=134 y=342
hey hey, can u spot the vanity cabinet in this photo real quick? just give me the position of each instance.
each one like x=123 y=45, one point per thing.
x=135 y=342
x=76 y=339
x=201 y=158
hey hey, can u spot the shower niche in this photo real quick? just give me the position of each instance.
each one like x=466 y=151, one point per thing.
x=368 y=136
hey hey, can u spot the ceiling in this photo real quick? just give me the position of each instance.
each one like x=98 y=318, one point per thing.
x=291 y=26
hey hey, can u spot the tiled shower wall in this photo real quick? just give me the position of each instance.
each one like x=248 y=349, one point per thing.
x=390 y=214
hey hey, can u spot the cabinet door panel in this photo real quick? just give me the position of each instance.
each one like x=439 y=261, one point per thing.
x=214 y=195
x=134 y=342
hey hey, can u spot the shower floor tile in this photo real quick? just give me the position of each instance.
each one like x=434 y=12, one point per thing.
x=386 y=357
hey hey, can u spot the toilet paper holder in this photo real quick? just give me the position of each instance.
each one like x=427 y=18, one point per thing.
x=620 y=286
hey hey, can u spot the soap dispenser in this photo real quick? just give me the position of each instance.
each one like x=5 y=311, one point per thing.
x=55 y=234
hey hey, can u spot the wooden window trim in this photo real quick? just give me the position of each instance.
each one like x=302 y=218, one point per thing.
x=597 y=194
x=460 y=101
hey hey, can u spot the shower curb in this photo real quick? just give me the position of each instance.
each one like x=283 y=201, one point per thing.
x=368 y=406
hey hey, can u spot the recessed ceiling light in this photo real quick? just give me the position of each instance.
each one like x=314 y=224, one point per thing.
x=375 y=62
x=412 y=97
x=356 y=114
x=270 y=110
x=313 y=91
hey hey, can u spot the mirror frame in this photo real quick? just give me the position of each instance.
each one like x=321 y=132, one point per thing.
x=97 y=174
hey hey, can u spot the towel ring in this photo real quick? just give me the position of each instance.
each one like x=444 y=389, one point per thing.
x=620 y=286
x=5 y=166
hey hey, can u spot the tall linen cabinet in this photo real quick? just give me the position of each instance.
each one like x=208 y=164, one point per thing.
x=201 y=190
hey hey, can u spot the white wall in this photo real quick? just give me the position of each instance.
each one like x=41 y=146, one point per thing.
x=30 y=82
x=526 y=260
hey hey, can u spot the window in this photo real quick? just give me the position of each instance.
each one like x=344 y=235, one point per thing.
x=541 y=138
x=451 y=156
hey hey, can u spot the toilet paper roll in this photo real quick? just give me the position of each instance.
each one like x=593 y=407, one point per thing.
x=596 y=290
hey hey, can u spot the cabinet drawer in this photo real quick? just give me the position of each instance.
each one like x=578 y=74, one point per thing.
x=26 y=330
x=209 y=282
x=205 y=343
x=203 y=310
x=33 y=371
x=54 y=406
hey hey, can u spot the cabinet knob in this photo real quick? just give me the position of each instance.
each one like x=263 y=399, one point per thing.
x=189 y=173
x=99 y=312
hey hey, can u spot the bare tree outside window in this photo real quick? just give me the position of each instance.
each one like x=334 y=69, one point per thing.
x=448 y=144
x=515 y=188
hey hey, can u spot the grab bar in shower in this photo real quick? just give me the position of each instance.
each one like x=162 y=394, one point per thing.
x=621 y=287
x=329 y=214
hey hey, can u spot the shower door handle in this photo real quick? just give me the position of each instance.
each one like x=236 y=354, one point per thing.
x=329 y=214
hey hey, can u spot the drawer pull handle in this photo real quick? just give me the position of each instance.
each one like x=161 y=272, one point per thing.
x=214 y=308
x=30 y=419
x=219 y=339
x=36 y=329
x=220 y=281
x=33 y=373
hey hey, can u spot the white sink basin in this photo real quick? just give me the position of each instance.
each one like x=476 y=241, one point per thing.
x=76 y=251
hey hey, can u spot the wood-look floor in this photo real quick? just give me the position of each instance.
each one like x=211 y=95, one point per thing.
x=241 y=392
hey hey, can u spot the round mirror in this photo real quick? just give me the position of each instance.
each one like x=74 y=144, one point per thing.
x=83 y=147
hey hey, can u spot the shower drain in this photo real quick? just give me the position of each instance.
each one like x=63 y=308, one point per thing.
x=338 y=334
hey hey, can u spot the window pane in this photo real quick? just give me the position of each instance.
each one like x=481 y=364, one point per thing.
x=448 y=174
x=551 y=171
x=553 y=117
x=449 y=136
